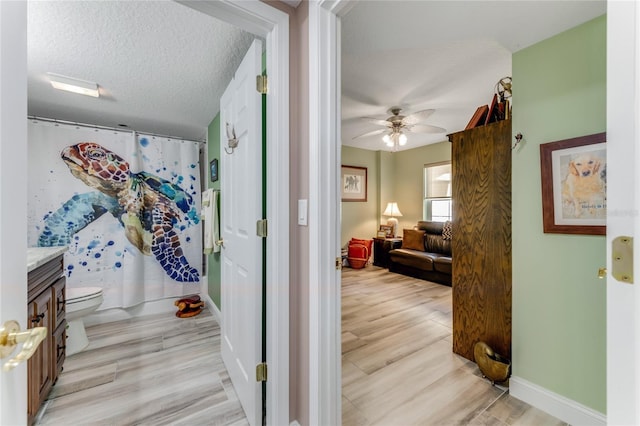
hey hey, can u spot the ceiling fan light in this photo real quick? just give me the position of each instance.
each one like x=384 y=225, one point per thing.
x=386 y=139
x=402 y=139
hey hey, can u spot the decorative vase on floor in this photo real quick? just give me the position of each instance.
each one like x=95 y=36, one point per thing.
x=492 y=365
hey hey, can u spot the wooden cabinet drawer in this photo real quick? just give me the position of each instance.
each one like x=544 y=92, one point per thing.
x=47 y=295
x=39 y=370
x=59 y=348
x=58 y=301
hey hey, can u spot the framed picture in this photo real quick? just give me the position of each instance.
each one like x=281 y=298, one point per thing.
x=354 y=183
x=574 y=185
x=213 y=170
x=381 y=234
x=478 y=117
x=388 y=230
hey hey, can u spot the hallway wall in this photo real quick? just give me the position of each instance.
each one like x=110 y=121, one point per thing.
x=559 y=305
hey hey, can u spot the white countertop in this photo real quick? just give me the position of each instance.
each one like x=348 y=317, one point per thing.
x=37 y=256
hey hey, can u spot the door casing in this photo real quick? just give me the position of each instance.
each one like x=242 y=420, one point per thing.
x=623 y=23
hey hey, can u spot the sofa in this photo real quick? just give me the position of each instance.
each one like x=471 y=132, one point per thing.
x=425 y=252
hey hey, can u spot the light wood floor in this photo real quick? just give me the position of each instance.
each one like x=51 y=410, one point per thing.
x=398 y=368
x=397 y=364
x=153 y=370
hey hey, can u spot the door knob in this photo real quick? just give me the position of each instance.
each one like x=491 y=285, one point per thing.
x=10 y=336
x=220 y=243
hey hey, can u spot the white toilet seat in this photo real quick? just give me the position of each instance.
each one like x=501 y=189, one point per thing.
x=77 y=295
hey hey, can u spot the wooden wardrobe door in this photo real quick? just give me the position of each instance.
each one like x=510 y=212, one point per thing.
x=481 y=244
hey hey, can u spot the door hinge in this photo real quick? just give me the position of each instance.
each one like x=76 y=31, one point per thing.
x=622 y=259
x=261 y=84
x=261 y=372
x=338 y=263
x=261 y=228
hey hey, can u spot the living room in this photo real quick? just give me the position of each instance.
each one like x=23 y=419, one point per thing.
x=559 y=92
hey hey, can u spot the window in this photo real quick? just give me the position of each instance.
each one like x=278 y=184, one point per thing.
x=436 y=205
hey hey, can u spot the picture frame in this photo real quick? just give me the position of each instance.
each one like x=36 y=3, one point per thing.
x=492 y=111
x=388 y=230
x=381 y=234
x=353 y=183
x=478 y=117
x=213 y=170
x=573 y=178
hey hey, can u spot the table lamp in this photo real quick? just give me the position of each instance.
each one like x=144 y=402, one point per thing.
x=392 y=210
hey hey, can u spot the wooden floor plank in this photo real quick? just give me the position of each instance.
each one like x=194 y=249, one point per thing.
x=151 y=370
x=398 y=367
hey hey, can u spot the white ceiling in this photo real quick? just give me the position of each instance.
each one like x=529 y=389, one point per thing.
x=446 y=55
x=161 y=66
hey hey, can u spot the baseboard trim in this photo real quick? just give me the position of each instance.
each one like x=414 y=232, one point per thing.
x=214 y=309
x=118 y=314
x=563 y=408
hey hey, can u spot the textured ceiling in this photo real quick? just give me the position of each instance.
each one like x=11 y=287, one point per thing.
x=161 y=66
x=446 y=55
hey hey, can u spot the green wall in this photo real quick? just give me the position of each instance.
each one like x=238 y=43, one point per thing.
x=390 y=177
x=360 y=219
x=559 y=317
x=213 y=260
x=408 y=184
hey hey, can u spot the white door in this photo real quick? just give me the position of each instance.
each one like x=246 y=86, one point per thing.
x=241 y=255
x=623 y=174
x=13 y=198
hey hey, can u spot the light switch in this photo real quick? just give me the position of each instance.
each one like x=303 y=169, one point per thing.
x=302 y=212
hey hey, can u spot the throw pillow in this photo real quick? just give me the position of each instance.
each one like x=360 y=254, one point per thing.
x=413 y=239
x=447 y=230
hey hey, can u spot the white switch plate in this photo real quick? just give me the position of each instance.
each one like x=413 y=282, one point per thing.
x=302 y=212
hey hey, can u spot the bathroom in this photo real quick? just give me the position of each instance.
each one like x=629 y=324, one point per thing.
x=143 y=95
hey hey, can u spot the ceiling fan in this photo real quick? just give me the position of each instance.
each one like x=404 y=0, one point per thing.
x=396 y=125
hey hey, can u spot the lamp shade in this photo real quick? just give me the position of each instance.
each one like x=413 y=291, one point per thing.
x=392 y=210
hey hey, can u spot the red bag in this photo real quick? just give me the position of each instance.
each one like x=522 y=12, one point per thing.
x=358 y=253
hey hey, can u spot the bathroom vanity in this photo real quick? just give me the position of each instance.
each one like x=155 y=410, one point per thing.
x=46 y=297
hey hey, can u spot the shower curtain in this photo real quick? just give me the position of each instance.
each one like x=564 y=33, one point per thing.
x=126 y=204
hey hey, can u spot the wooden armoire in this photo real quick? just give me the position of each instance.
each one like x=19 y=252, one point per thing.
x=481 y=243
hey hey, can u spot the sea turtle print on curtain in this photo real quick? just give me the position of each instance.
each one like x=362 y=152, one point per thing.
x=148 y=207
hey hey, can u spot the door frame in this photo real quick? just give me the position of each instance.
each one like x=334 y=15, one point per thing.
x=13 y=198
x=324 y=204
x=273 y=25
x=255 y=17
x=325 y=367
x=623 y=300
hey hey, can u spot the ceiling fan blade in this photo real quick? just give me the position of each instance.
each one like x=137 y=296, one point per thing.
x=372 y=133
x=418 y=117
x=425 y=128
x=378 y=121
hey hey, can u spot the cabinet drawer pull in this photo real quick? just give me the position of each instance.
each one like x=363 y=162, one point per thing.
x=61 y=349
x=36 y=319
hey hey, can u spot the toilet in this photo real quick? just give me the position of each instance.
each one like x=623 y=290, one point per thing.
x=80 y=302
